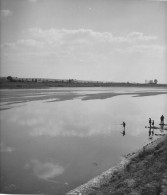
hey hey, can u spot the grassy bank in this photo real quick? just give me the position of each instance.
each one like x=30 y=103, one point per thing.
x=4 y=84
x=140 y=173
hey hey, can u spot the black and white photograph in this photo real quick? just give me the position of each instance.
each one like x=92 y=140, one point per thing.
x=83 y=97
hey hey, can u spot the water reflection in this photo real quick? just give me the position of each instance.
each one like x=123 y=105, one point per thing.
x=4 y=148
x=44 y=170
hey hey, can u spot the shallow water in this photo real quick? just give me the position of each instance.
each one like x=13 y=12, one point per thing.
x=53 y=140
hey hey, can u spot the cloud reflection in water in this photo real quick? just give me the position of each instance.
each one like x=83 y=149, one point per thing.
x=87 y=118
x=44 y=170
x=4 y=148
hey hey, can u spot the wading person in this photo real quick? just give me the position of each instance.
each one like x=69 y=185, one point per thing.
x=150 y=122
x=124 y=124
x=153 y=123
x=162 y=119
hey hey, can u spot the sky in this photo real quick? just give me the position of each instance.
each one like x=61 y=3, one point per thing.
x=101 y=40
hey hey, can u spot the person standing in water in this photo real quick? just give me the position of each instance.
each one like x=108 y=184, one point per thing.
x=150 y=122
x=153 y=123
x=162 y=119
x=124 y=124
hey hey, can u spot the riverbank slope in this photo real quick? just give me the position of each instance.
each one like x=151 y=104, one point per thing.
x=141 y=173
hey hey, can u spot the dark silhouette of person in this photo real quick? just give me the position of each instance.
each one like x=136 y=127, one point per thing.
x=124 y=124
x=150 y=121
x=162 y=119
x=123 y=133
x=153 y=123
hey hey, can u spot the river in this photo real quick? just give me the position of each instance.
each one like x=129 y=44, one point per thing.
x=53 y=140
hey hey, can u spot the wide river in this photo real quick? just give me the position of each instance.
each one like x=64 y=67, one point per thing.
x=53 y=140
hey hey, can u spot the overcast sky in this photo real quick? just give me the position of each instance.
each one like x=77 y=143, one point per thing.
x=106 y=40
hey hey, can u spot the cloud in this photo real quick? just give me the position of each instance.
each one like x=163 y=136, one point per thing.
x=5 y=13
x=78 y=53
x=70 y=39
x=44 y=170
x=138 y=36
x=87 y=35
x=29 y=43
x=76 y=44
x=151 y=50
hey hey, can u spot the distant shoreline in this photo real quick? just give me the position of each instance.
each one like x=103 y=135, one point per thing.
x=43 y=85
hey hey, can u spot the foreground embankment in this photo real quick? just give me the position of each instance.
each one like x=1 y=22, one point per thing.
x=143 y=172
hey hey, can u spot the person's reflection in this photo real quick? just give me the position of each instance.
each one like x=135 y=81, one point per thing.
x=153 y=132
x=123 y=133
x=149 y=132
x=162 y=127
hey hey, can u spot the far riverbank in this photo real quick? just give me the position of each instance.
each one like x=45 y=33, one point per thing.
x=4 y=84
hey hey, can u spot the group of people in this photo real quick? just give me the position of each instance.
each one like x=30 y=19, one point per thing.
x=151 y=125
x=151 y=122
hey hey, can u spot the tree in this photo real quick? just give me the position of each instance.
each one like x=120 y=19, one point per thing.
x=9 y=78
x=71 y=80
x=155 y=81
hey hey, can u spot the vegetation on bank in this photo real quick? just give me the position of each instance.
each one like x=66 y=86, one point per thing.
x=145 y=174
x=7 y=84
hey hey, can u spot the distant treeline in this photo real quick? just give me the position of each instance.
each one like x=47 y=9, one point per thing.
x=15 y=82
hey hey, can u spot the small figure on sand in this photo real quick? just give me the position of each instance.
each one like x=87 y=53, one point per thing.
x=162 y=119
x=150 y=122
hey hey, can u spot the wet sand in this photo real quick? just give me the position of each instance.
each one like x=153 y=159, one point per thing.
x=9 y=97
